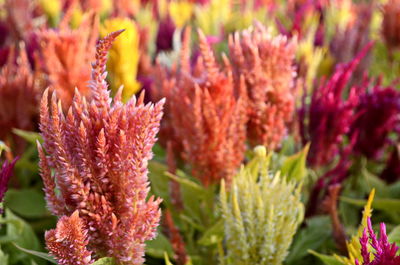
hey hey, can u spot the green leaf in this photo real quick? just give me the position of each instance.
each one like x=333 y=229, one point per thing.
x=294 y=167
x=394 y=236
x=167 y=261
x=328 y=260
x=317 y=231
x=159 y=182
x=158 y=246
x=42 y=255
x=31 y=137
x=105 y=261
x=389 y=205
x=21 y=234
x=186 y=182
x=28 y=203
x=213 y=235
x=3 y=258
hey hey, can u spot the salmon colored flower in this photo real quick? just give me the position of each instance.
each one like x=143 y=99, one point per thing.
x=65 y=56
x=96 y=156
x=266 y=62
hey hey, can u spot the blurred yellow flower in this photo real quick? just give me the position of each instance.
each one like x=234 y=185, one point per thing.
x=123 y=60
x=52 y=9
x=180 y=12
x=210 y=17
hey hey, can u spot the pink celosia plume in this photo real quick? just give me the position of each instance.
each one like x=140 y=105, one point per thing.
x=96 y=156
x=20 y=92
x=266 y=62
x=68 y=242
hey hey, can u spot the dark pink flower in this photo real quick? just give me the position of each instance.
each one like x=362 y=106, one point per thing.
x=330 y=115
x=377 y=117
x=384 y=253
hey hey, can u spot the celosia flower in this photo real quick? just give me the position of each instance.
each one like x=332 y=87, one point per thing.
x=391 y=23
x=165 y=35
x=353 y=245
x=350 y=40
x=384 y=254
x=6 y=173
x=66 y=55
x=124 y=56
x=329 y=115
x=207 y=118
x=378 y=116
x=97 y=159
x=19 y=96
x=68 y=242
x=266 y=63
x=261 y=214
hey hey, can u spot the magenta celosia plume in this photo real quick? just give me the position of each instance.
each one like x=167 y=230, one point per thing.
x=96 y=156
x=329 y=116
x=384 y=253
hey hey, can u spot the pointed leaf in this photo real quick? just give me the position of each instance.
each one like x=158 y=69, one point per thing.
x=294 y=167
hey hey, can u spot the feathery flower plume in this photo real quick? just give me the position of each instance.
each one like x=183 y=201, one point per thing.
x=68 y=242
x=97 y=158
x=66 y=55
x=382 y=106
x=261 y=214
x=266 y=63
x=353 y=245
x=124 y=56
x=384 y=254
x=20 y=93
x=207 y=118
x=6 y=173
x=329 y=116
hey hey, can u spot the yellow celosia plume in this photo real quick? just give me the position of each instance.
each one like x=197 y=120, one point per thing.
x=354 y=246
x=123 y=60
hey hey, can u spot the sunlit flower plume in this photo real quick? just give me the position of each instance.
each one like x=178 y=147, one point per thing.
x=96 y=157
x=266 y=62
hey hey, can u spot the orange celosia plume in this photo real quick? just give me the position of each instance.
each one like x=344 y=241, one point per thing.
x=99 y=153
x=266 y=62
x=66 y=55
x=206 y=117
